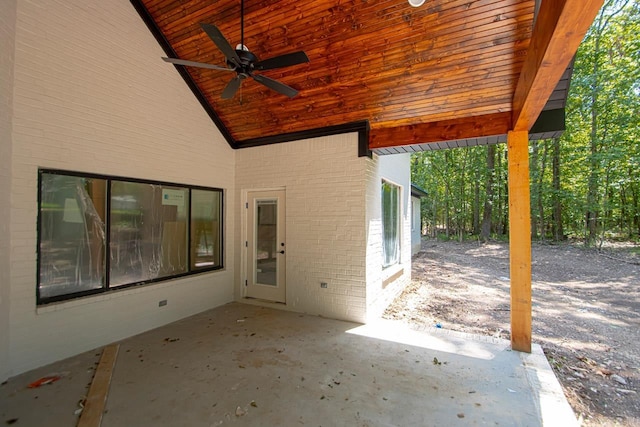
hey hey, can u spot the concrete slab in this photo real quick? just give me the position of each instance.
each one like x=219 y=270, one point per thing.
x=246 y=365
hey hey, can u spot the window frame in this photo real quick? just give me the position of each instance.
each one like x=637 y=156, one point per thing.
x=40 y=300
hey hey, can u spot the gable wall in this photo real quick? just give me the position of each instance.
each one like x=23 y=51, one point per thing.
x=91 y=94
x=324 y=181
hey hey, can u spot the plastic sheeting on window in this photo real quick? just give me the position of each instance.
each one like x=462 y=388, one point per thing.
x=72 y=235
x=148 y=232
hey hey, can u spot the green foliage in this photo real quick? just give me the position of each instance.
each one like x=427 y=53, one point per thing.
x=599 y=158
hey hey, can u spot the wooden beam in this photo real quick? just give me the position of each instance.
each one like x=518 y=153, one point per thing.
x=559 y=30
x=97 y=398
x=519 y=240
x=445 y=130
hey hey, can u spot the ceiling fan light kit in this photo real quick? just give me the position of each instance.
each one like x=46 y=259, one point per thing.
x=244 y=62
x=416 y=3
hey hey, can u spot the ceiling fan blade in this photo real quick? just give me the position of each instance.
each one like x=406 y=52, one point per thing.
x=231 y=88
x=214 y=34
x=275 y=85
x=196 y=64
x=286 y=60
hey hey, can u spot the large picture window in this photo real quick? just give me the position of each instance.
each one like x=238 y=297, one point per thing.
x=153 y=231
x=390 y=224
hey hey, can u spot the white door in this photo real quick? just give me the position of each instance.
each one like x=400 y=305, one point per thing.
x=266 y=245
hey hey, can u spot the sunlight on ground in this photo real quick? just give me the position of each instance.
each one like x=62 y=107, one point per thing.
x=449 y=342
x=605 y=318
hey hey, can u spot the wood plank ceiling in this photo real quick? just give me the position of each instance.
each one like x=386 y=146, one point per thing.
x=446 y=66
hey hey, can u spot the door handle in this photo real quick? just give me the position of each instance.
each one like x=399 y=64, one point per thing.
x=282 y=252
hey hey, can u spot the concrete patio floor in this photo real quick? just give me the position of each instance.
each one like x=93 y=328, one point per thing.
x=252 y=366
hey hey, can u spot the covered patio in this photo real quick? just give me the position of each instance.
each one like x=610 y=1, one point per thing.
x=251 y=365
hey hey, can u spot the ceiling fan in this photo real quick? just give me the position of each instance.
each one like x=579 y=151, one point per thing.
x=244 y=63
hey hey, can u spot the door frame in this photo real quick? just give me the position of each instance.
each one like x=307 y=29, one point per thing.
x=244 y=237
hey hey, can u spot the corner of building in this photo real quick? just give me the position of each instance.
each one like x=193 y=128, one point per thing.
x=385 y=283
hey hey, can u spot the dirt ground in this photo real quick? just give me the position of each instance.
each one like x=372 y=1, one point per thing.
x=586 y=314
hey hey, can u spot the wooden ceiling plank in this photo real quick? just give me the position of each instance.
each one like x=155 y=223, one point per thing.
x=378 y=69
x=379 y=94
x=302 y=30
x=425 y=106
x=383 y=89
x=396 y=34
x=559 y=30
x=418 y=38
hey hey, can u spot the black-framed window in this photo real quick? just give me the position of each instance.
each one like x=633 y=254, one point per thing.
x=153 y=231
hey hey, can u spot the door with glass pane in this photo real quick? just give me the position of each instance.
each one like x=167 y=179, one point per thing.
x=265 y=244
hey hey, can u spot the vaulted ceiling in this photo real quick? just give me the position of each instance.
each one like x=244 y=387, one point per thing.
x=448 y=70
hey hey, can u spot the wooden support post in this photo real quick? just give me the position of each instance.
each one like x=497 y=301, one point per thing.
x=519 y=240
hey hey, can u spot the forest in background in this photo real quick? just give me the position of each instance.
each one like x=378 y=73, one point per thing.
x=585 y=184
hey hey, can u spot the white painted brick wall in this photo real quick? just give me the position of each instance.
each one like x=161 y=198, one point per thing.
x=92 y=94
x=7 y=46
x=333 y=223
x=324 y=181
x=394 y=168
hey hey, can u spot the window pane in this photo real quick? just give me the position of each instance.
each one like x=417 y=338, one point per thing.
x=266 y=242
x=72 y=234
x=390 y=224
x=148 y=234
x=206 y=229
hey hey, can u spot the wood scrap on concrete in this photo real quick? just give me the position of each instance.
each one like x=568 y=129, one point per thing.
x=97 y=398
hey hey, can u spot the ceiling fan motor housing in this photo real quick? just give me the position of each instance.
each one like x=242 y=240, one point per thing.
x=247 y=59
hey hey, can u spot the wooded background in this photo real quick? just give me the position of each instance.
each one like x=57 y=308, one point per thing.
x=585 y=184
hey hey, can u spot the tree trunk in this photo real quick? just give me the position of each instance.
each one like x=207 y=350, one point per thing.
x=505 y=212
x=462 y=212
x=543 y=169
x=636 y=209
x=476 y=204
x=485 y=232
x=500 y=199
x=535 y=192
x=558 y=230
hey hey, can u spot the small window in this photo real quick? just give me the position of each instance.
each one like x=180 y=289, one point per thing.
x=390 y=224
x=98 y=233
